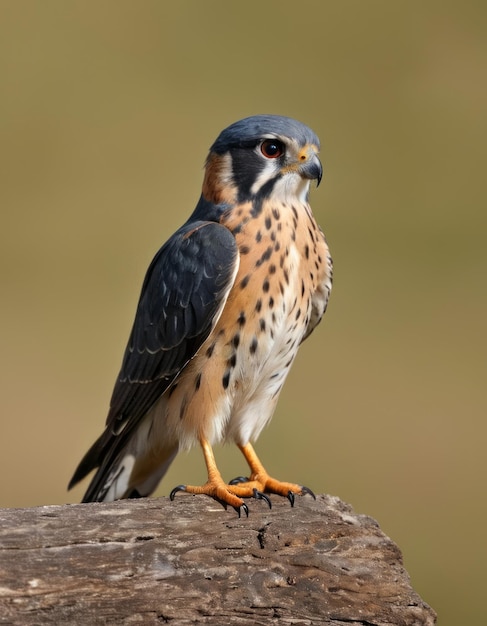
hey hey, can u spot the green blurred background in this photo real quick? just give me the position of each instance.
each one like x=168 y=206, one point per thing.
x=107 y=110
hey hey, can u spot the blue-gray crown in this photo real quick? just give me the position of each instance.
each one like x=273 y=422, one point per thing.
x=251 y=129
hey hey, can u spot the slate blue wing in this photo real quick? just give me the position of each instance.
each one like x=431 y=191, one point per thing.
x=182 y=297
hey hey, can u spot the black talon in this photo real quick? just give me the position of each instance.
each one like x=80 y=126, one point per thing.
x=258 y=495
x=244 y=507
x=290 y=497
x=175 y=490
x=239 y=479
x=307 y=490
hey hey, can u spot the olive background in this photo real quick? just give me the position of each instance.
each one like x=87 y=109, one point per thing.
x=107 y=110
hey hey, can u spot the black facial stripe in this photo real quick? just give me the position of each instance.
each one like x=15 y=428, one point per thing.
x=247 y=165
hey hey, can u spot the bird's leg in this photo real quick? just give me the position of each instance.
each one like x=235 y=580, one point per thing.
x=260 y=479
x=216 y=487
x=231 y=494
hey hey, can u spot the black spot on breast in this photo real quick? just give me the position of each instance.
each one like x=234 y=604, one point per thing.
x=262 y=324
x=272 y=268
x=277 y=247
x=236 y=340
x=244 y=249
x=258 y=305
x=276 y=213
x=306 y=251
x=253 y=345
x=209 y=350
x=298 y=314
x=241 y=319
x=245 y=281
x=266 y=285
x=232 y=361
x=268 y=223
x=271 y=302
x=258 y=236
x=197 y=382
x=226 y=379
x=277 y=391
x=295 y=211
x=265 y=256
x=288 y=363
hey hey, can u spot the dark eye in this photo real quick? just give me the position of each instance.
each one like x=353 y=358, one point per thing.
x=272 y=148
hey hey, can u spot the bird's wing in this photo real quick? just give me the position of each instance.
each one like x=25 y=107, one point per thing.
x=183 y=295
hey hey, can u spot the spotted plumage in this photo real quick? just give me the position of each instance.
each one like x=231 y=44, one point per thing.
x=225 y=304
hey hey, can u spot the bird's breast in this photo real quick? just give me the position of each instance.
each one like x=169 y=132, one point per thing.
x=283 y=262
x=230 y=388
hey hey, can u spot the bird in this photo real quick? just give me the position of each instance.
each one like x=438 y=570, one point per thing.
x=224 y=306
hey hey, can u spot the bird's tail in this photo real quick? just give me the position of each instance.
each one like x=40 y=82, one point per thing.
x=126 y=467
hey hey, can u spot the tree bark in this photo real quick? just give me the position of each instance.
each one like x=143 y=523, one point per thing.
x=153 y=561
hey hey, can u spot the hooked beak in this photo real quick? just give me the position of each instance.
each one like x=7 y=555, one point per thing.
x=312 y=169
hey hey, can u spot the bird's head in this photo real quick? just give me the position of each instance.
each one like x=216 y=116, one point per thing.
x=261 y=156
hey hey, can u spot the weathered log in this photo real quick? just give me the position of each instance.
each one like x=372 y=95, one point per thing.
x=153 y=561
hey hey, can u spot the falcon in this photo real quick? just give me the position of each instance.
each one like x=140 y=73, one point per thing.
x=224 y=307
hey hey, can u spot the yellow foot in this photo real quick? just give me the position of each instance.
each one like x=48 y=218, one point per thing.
x=258 y=485
x=262 y=483
x=254 y=487
x=220 y=491
x=216 y=487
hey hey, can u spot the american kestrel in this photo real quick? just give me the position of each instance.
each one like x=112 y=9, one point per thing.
x=225 y=304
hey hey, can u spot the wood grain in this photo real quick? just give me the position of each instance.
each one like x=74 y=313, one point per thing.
x=153 y=561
